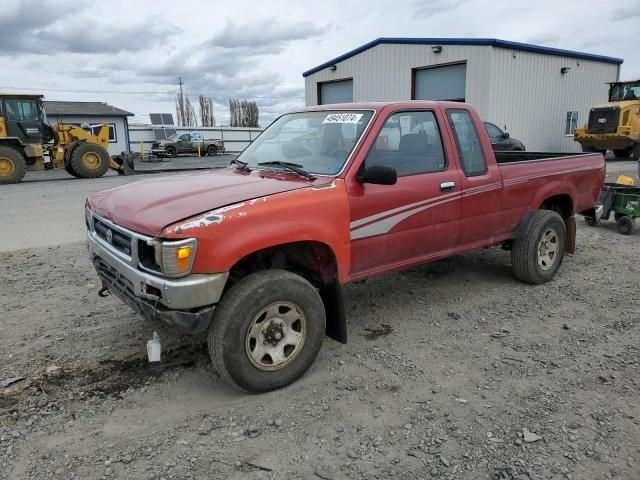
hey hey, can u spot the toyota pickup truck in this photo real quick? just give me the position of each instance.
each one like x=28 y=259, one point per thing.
x=255 y=255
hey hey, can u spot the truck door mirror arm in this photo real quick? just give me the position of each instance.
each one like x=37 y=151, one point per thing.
x=378 y=174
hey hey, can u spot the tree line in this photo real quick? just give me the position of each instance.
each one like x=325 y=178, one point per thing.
x=242 y=113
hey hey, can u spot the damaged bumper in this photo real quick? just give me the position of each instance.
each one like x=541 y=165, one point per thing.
x=186 y=303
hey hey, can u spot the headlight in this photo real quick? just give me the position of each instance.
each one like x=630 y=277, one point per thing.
x=176 y=258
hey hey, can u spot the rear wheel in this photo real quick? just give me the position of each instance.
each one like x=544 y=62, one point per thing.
x=266 y=331
x=625 y=225
x=12 y=165
x=624 y=153
x=537 y=256
x=636 y=152
x=89 y=160
x=212 y=150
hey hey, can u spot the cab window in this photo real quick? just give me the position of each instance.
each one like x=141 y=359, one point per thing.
x=410 y=142
x=21 y=110
x=185 y=138
x=467 y=142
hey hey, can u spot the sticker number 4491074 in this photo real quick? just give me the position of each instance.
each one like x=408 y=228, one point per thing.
x=343 y=118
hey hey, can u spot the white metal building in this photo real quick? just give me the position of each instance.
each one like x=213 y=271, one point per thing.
x=91 y=116
x=538 y=94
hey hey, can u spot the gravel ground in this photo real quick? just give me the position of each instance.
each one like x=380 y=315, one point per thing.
x=453 y=370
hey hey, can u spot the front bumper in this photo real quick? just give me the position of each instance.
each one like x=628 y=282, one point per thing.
x=186 y=303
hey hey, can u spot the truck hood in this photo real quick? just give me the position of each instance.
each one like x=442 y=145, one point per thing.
x=148 y=206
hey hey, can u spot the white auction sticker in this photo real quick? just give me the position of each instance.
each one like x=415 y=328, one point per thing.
x=343 y=118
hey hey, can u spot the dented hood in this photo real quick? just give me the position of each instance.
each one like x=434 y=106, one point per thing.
x=148 y=206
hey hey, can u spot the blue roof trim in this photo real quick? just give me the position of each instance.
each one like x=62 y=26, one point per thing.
x=494 y=42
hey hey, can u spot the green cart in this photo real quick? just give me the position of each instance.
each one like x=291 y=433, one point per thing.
x=624 y=202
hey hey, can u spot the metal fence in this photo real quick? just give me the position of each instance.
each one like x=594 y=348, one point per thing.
x=235 y=139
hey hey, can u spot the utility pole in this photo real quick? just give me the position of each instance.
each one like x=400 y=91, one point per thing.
x=180 y=83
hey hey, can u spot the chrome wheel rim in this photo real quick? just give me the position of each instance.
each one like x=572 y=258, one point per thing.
x=548 y=248
x=276 y=336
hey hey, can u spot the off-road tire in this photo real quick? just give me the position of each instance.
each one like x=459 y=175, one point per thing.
x=625 y=225
x=69 y=169
x=212 y=150
x=89 y=160
x=624 y=153
x=234 y=315
x=525 y=250
x=635 y=151
x=13 y=165
x=171 y=151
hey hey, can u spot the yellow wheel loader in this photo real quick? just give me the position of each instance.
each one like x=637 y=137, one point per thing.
x=29 y=142
x=614 y=125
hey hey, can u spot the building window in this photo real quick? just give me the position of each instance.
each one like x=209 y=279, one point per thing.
x=571 y=123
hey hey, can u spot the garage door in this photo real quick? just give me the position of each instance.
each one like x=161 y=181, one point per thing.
x=336 y=92
x=441 y=83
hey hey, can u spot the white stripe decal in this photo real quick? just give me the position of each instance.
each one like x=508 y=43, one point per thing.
x=376 y=216
x=386 y=224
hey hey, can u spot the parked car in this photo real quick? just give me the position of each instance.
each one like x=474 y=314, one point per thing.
x=502 y=141
x=255 y=255
x=187 y=143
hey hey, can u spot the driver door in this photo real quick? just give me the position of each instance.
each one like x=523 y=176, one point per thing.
x=417 y=218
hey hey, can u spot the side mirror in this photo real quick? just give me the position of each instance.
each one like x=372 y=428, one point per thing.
x=379 y=175
x=505 y=135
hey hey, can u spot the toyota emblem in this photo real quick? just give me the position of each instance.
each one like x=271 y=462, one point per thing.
x=109 y=235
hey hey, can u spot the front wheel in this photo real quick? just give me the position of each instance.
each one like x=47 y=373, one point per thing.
x=537 y=256
x=266 y=331
x=89 y=160
x=212 y=150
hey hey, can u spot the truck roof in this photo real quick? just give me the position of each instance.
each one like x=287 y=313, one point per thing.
x=380 y=105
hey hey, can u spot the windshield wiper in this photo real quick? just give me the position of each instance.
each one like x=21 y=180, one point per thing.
x=294 y=167
x=241 y=164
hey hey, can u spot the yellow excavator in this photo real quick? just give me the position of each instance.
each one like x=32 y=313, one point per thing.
x=29 y=142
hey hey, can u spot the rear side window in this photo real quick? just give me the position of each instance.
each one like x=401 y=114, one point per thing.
x=409 y=142
x=468 y=143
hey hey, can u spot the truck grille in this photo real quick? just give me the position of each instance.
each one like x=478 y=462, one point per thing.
x=120 y=241
x=603 y=120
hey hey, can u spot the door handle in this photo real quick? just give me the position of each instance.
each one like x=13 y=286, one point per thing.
x=447 y=186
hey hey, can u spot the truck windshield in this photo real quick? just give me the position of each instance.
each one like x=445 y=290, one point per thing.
x=318 y=142
x=626 y=91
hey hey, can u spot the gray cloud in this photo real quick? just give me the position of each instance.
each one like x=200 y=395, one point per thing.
x=624 y=13
x=46 y=27
x=268 y=34
x=429 y=8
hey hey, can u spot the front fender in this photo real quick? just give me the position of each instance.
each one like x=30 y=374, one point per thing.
x=225 y=235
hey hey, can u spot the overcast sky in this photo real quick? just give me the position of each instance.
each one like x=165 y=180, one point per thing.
x=130 y=53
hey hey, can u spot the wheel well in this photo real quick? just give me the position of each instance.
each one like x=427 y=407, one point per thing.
x=314 y=261
x=561 y=204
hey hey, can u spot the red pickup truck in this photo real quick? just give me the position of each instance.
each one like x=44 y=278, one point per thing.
x=256 y=254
